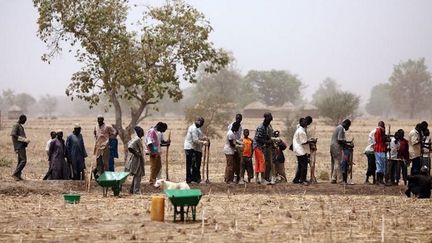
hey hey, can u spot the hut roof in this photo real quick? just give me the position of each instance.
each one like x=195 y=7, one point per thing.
x=14 y=108
x=309 y=107
x=287 y=106
x=255 y=105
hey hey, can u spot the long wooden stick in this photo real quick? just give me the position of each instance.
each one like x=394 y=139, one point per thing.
x=207 y=165
x=166 y=158
x=203 y=162
x=90 y=177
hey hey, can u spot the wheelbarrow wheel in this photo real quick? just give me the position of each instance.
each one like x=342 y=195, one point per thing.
x=105 y=191
x=116 y=189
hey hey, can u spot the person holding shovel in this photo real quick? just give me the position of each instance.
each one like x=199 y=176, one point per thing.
x=370 y=155
x=380 y=148
x=414 y=139
x=194 y=141
x=262 y=143
x=301 y=149
x=154 y=141
x=337 y=144
x=135 y=162
x=237 y=152
x=229 y=150
x=102 y=133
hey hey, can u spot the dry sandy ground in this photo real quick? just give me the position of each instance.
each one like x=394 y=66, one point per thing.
x=34 y=210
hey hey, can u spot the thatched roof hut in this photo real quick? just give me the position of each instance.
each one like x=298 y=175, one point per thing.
x=309 y=110
x=257 y=110
x=14 y=112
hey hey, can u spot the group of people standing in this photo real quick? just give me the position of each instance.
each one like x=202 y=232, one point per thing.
x=389 y=155
x=267 y=147
x=66 y=159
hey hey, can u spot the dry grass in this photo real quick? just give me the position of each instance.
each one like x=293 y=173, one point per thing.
x=34 y=210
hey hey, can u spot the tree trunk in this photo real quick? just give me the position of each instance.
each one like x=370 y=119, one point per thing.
x=123 y=133
x=126 y=133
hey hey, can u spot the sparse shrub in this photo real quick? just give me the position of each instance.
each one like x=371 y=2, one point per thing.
x=324 y=175
x=5 y=162
x=339 y=106
x=291 y=125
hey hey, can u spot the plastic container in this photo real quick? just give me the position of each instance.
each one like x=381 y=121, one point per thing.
x=72 y=198
x=157 y=212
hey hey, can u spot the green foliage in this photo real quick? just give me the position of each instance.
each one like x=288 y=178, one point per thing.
x=291 y=123
x=140 y=67
x=224 y=84
x=216 y=113
x=247 y=93
x=324 y=175
x=274 y=87
x=380 y=103
x=216 y=97
x=5 y=162
x=168 y=106
x=339 y=106
x=328 y=87
x=411 y=86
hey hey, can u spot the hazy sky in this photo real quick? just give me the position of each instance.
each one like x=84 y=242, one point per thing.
x=356 y=42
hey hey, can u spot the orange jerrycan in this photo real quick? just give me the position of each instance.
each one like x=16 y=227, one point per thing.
x=157 y=212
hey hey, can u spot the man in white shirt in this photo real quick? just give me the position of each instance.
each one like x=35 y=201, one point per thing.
x=53 y=135
x=302 y=151
x=237 y=153
x=370 y=155
x=193 y=143
x=392 y=155
x=229 y=151
x=414 y=140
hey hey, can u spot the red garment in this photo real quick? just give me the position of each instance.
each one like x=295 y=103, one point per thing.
x=259 y=161
x=380 y=143
x=403 y=152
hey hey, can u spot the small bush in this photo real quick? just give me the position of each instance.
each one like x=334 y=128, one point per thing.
x=324 y=176
x=5 y=162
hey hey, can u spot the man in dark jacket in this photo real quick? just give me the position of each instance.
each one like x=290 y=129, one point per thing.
x=76 y=153
x=20 y=143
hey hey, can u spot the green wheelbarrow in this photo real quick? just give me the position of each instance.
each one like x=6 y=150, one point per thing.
x=112 y=180
x=184 y=198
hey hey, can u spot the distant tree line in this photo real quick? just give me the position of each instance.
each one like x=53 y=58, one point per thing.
x=217 y=97
x=46 y=106
x=407 y=92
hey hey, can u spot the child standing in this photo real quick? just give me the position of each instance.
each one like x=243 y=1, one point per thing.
x=246 y=162
x=278 y=156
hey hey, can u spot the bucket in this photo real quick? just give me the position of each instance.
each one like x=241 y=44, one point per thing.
x=157 y=212
x=72 y=198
